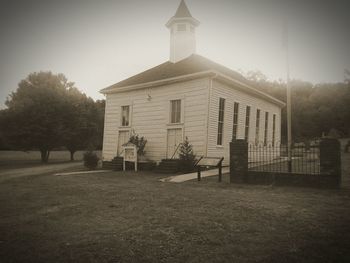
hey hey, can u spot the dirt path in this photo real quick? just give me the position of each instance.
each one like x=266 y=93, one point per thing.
x=37 y=170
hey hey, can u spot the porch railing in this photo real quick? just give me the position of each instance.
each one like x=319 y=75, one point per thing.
x=177 y=148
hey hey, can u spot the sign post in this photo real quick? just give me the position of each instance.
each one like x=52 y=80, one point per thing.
x=130 y=155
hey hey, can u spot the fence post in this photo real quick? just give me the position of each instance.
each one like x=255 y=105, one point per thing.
x=220 y=171
x=330 y=159
x=238 y=161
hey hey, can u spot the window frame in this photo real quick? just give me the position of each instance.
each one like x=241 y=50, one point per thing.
x=247 y=122
x=235 y=120
x=257 y=126
x=129 y=116
x=266 y=127
x=178 y=110
x=273 y=129
x=221 y=119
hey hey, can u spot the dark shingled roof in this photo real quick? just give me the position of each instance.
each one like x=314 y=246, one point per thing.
x=193 y=64
x=182 y=11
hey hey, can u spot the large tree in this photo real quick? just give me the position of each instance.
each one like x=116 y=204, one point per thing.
x=316 y=109
x=83 y=123
x=45 y=112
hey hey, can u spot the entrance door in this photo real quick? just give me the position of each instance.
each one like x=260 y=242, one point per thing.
x=123 y=138
x=174 y=139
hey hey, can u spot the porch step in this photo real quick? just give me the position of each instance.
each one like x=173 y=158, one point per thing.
x=116 y=164
x=168 y=166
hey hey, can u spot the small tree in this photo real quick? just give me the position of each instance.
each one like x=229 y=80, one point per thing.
x=140 y=143
x=186 y=156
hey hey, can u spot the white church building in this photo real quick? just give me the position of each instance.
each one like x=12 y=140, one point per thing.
x=188 y=96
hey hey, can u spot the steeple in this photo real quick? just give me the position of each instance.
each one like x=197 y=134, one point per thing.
x=182 y=10
x=182 y=33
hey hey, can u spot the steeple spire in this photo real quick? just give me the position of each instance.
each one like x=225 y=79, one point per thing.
x=182 y=33
x=182 y=10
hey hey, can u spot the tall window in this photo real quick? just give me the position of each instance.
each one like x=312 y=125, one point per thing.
x=125 y=115
x=247 y=121
x=235 y=120
x=175 y=111
x=266 y=127
x=257 y=127
x=273 y=129
x=221 y=121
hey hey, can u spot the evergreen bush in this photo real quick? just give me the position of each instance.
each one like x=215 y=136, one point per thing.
x=186 y=156
x=90 y=160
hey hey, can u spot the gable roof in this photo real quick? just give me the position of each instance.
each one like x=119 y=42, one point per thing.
x=193 y=64
x=188 y=67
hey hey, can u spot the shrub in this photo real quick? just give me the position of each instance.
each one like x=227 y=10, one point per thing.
x=140 y=143
x=186 y=156
x=90 y=160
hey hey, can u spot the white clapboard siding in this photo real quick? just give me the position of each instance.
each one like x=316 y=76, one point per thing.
x=150 y=118
x=231 y=95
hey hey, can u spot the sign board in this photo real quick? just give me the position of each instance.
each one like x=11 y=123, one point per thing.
x=130 y=154
x=209 y=161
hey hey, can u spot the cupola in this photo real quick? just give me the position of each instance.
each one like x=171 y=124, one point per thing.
x=182 y=33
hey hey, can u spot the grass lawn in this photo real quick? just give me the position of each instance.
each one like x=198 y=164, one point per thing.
x=117 y=217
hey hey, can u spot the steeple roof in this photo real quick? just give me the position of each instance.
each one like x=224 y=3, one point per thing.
x=182 y=14
x=182 y=10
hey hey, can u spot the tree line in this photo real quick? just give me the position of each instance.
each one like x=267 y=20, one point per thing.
x=48 y=112
x=317 y=109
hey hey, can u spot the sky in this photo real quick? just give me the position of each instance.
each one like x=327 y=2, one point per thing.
x=98 y=43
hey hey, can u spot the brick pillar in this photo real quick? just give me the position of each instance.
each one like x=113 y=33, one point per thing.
x=238 y=161
x=330 y=158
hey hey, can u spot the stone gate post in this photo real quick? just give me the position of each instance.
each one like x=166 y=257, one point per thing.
x=238 y=161
x=330 y=158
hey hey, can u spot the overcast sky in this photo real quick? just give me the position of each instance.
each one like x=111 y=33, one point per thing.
x=98 y=43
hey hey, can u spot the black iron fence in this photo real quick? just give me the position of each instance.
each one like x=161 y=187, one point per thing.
x=305 y=158
x=316 y=165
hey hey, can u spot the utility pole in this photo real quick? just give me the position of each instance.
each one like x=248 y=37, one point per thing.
x=289 y=101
